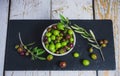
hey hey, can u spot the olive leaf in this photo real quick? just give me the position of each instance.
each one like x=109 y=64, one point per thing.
x=95 y=46
x=30 y=44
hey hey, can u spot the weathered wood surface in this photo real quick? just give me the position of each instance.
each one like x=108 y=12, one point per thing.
x=110 y=9
x=3 y=29
x=50 y=9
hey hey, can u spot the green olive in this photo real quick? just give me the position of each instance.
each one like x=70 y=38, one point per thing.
x=70 y=32
x=53 y=37
x=91 y=50
x=56 y=32
x=51 y=47
x=60 y=26
x=48 y=34
x=94 y=56
x=76 y=54
x=104 y=45
x=86 y=62
x=58 y=45
x=64 y=43
x=50 y=57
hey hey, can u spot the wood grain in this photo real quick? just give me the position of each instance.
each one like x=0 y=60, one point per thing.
x=73 y=9
x=109 y=9
x=30 y=9
x=4 y=4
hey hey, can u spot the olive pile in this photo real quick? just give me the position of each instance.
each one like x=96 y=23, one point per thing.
x=21 y=50
x=58 y=39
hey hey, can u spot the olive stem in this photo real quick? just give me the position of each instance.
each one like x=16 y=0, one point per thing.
x=25 y=47
x=20 y=39
x=99 y=49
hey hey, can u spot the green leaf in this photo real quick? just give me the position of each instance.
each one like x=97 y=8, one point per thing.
x=95 y=46
x=16 y=46
x=74 y=27
x=33 y=58
x=41 y=58
x=91 y=32
x=40 y=52
x=35 y=49
x=90 y=40
x=62 y=17
x=30 y=44
x=84 y=36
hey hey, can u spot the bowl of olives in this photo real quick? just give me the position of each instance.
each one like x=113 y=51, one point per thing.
x=58 y=40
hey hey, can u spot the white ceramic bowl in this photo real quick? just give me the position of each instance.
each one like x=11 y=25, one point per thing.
x=52 y=52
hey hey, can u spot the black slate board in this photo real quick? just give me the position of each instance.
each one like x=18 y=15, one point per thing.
x=31 y=30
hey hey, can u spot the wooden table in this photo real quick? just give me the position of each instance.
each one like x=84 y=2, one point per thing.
x=50 y=9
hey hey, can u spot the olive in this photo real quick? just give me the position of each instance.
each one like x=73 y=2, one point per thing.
x=50 y=57
x=20 y=49
x=56 y=32
x=91 y=50
x=86 y=62
x=49 y=29
x=54 y=26
x=57 y=52
x=67 y=36
x=94 y=56
x=53 y=37
x=45 y=39
x=101 y=42
x=48 y=34
x=71 y=45
x=64 y=43
x=104 y=45
x=62 y=51
x=60 y=26
x=70 y=32
x=76 y=54
x=62 y=64
x=17 y=46
x=27 y=53
x=105 y=41
x=22 y=53
x=58 y=45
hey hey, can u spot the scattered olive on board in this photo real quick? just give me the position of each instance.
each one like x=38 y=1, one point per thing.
x=86 y=62
x=105 y=41
x=62 y=64
x=104 y=45
x=101 y=42
x=90 y=50
x=93 y=56
x=50 y=57
x=76 y=55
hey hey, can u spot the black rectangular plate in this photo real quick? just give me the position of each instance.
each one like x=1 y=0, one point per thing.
x=31 y=30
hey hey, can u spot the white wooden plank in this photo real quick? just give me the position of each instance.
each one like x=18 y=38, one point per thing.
x=64 y=73
x=30 y=9
x=109 y=9
x=73 y=9
x=4 y=4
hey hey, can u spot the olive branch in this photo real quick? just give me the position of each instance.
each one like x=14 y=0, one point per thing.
x=34 y=52
x=86 y=35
